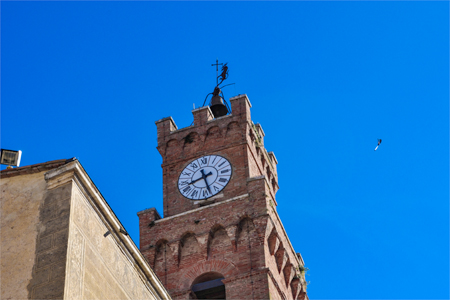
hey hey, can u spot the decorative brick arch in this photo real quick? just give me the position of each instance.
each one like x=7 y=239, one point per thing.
x=225 y=268
x=171 y=147
x=213 y=131
x=233 y=128
x=223 y=239
x=190 y=138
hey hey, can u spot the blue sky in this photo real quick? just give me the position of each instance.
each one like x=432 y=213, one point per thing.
x=326 y=80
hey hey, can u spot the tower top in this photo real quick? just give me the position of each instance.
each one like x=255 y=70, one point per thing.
x=234 y=138
x=219 y=106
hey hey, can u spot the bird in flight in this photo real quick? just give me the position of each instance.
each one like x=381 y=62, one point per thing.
x=379 y=142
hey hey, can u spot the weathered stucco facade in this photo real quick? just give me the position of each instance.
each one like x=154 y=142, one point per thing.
x=54 y=242
x=20 y=203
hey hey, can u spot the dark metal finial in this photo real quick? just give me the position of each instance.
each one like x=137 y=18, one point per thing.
x=222 y=75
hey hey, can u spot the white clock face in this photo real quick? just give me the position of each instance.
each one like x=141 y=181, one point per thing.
x=204 y=177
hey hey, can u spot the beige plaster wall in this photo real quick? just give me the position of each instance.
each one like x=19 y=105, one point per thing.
x=21 y=198
x=96 y=266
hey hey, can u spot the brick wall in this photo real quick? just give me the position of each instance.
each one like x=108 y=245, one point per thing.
x=236 y=234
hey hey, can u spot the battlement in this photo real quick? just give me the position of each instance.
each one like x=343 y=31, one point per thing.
x=240 y=107
x=233 y=136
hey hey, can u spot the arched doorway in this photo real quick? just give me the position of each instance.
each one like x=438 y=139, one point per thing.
x=209 y=286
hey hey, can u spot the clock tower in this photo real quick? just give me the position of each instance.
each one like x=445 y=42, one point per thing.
x=221 y=236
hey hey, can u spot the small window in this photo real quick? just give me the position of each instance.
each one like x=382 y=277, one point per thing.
x=209 y=286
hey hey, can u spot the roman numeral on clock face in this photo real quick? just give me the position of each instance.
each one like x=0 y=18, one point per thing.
x=204 y=177
x=187 y=189
x=194 y=193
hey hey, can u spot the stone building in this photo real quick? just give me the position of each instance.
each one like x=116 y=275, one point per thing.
x=61 y=240
x=221 y=236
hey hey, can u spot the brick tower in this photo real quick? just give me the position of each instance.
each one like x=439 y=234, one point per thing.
x=221 y=236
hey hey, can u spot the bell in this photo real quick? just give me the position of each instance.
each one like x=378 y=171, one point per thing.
x=217 y=107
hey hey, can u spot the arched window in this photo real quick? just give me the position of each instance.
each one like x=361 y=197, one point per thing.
x=209 y=286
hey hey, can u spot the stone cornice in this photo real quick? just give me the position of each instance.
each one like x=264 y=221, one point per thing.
x=275 y=283
x=36 y=168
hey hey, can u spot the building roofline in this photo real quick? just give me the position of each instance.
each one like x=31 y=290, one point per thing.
x=36 y=168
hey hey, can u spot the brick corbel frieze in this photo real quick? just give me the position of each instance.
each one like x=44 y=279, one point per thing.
x=269 y=228
x=280 y=258
x=275 y=283
x=295 y=287
x=302 y=294
x=289 y=273
x=273 y=242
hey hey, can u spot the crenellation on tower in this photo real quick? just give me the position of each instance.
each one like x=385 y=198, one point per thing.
x=260 y=133
x=274 y=160
x=202 y=115
x=164 y=127
x=240 y=106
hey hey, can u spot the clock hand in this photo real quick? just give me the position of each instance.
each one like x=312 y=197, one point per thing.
x=193 y=181
x=207 y=186
x=204 y=177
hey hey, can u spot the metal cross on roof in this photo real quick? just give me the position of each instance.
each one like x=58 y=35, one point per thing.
x=223 y=75
x=217 y=70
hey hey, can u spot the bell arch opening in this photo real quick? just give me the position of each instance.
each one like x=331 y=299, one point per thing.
x=208 y=286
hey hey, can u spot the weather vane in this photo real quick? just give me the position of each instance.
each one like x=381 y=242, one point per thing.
x=219 y=107
x=223 y=75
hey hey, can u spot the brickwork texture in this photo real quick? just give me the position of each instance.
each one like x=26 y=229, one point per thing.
x=236 y=235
